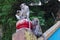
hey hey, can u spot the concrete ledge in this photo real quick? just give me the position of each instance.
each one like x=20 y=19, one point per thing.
x=23 y=35
x=41 y=38
x=18 y=35
x=50 y=31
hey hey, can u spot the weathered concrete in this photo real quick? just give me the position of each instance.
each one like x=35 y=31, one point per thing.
x=23 y=35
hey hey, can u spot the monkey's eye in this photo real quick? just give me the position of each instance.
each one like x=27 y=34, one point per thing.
x=36 y=21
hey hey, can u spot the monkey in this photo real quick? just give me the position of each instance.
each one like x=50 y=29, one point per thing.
x=36 y=27
x=24 y=12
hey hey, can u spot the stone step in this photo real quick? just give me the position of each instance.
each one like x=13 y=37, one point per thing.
x=23 y=35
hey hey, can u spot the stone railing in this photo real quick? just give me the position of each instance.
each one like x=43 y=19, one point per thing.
x=50 y=31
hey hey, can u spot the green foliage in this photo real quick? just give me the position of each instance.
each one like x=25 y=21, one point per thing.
x=38 y=13
x=6 y=8
x=6 y=19
x=28 y=1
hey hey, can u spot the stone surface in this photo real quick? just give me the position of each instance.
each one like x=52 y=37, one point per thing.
x=23 y=35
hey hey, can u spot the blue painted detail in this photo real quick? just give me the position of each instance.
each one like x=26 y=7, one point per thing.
x=55 y=35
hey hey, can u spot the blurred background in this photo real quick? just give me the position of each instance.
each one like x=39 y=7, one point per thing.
x=48 y=12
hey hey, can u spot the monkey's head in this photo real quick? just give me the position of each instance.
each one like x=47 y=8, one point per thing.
x=22 y=5
x=35 y=21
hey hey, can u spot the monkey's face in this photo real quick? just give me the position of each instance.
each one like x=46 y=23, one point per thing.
x=22 y=6
x=35 y=22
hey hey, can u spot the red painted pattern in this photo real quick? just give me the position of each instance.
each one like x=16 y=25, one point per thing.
x=24 y=24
